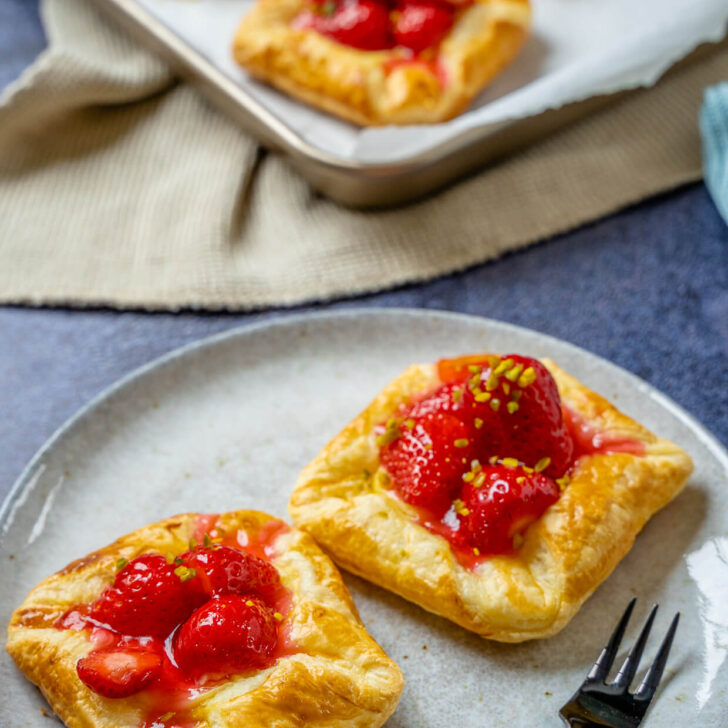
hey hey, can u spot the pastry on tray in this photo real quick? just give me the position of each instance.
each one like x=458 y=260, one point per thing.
x=377 y=62
x=498 y=492
x=231 y=621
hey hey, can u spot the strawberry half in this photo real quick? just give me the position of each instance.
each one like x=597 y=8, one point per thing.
x=225 y=570
x=536 y=432
x=421 y=24
x=149 y=597
x=427 y=460
x=119 y=672
x=515 y=405
x=229 y=634
x=360 y=24
x=501 y=502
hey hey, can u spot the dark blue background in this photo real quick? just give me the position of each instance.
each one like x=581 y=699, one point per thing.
x=647 y=288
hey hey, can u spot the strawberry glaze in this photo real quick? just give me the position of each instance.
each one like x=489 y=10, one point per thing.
x=588 y=441
x=169 y=701
x=416 y=462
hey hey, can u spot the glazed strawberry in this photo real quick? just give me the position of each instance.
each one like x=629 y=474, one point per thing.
x=228 y=634
x=500 y=502
x=531 y=415
x=224 y=570
x=427 y=459
x=516 y=407
x=119 y=672
x=421 y=24
x=148 y=597
x=361 y=24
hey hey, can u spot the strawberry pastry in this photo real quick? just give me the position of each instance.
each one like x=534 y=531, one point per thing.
x=496 y=491
x=382 y=61
x=234 y=620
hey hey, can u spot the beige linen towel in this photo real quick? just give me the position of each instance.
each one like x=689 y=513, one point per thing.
x=122 y=187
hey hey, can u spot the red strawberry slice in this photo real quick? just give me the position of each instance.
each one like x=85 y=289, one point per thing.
x=361 y=24
x=421 y=24
x=229 y=634
x=148 y=597
x=428 y=459
x=501 y=502
x=119 y=672
x=225 y=570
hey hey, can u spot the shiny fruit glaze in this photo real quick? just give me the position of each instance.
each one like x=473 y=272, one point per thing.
x=485 y=453
x=415 y=27
x=229 y=611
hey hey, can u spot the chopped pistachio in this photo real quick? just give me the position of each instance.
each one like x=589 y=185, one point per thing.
x=527 y=378
x=514 y=373
x=503 y=367
x=184 y=573
x=390 y=434
x=121 y=563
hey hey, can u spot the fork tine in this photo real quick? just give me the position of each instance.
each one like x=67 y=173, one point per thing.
x=629 y=666
x=648 y=686
x=604 y=663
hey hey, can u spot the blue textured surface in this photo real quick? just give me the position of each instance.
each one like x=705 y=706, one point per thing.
x=647 y=289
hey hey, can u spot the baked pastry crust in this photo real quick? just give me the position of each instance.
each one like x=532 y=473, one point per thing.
x=356 y=85
x=566 y=554
x=341 y=677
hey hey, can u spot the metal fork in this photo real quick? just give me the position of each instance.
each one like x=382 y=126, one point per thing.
x=598 y=704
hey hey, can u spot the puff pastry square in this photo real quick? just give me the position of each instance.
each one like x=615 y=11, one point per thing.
x=339 y=677
x=566 y=554
x=373 y=87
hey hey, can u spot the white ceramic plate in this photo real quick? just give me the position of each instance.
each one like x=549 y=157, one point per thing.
x=229 y=422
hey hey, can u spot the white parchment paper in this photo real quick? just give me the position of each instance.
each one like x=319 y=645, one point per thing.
x=578 y=49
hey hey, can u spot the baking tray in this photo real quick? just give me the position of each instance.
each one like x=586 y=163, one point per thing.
x=352 y=182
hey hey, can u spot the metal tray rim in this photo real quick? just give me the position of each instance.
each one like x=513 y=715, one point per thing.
x=350 y=182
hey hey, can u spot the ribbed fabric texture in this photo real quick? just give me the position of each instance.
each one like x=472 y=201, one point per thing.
x=121 y=187
x=714 y=129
